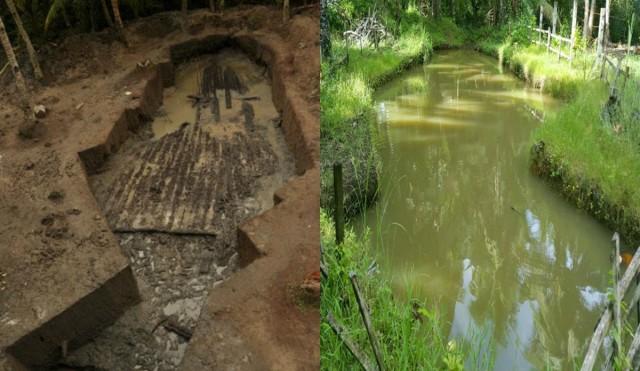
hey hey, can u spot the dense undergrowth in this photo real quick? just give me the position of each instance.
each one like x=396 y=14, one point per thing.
x=349 y=79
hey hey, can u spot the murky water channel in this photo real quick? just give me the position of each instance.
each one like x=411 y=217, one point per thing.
x=461 y=219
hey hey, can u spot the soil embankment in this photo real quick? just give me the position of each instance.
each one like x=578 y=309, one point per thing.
x=64 y=260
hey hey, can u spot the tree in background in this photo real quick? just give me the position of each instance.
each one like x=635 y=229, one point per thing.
x=325 y=32
x=116 y=14
x=33 y=57
x=11 y=57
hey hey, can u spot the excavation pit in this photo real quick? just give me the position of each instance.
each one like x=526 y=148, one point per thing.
x=68 y=258
x=175 y=193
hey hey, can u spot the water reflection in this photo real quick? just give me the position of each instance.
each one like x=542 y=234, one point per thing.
x=463 y=220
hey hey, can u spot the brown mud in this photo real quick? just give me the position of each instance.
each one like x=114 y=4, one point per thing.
x=107 y=206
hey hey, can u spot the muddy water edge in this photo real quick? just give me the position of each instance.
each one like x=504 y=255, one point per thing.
x=174 y=194
x=517 y=271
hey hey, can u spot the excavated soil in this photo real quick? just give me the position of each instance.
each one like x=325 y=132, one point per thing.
x=126 y=164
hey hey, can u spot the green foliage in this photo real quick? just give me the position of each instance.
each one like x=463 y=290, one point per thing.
x=576 y=136
x=408 y=342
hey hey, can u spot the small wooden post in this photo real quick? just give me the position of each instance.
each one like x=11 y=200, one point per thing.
x=364 y=311
x=339 y=202
x=555 y=17
x=540 y=25
x=548 y=39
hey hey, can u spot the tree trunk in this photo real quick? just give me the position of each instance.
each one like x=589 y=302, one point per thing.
x=591 y=15
x=221 y=6
x=212 y=6
x=185 y=6
x=585 y=20
x=13 y=62
x=116 y=14
x=33 y=57
x=105 y=10
x=285 y=11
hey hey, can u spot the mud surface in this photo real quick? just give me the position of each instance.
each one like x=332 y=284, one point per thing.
x=175 y=194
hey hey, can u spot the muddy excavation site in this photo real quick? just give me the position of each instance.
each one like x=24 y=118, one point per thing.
x=163 y=215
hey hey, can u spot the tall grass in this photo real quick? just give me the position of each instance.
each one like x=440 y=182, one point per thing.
x=410 y=331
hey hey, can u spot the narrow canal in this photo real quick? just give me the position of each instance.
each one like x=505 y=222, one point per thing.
x=517 y=270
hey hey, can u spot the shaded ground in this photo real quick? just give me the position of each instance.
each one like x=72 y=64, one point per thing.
x=49 y=209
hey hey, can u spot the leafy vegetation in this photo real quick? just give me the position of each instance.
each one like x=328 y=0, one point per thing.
x=410 y=331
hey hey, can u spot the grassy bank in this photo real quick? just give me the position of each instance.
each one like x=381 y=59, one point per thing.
x=410 y=331
x=347 y=130
x=590 y=148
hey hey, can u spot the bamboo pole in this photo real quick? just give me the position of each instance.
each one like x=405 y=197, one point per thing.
x=364 y=311
x=605 y=320
x=350 y=344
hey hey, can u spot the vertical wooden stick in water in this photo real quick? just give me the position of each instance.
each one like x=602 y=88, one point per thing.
x=364 y=311
x=339 y=202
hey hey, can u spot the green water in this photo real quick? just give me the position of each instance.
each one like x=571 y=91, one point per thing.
x=462 y=221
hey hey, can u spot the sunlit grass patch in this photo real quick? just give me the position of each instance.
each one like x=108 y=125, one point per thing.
x=577 y=137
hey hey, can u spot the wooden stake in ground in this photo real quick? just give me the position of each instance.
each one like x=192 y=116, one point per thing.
x=364 y=311
x=116 y=14
x=554 y=18
x=592 y=12
x=286 y=11
x=574 y=27
x=33 y=57
x=185 y=6
x=585 y=20
x=107 y=15
x=13 y=62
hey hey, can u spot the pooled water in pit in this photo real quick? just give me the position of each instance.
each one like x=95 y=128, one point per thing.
x=517 y=270
x=174 y=195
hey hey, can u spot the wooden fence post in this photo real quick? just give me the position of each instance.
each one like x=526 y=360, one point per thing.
x=574 y=27
x=616 y=311
x=606 y=27
x=600 y=33
x=548 y=39
x=339 y=202
x=555 y=17
x=540 y=26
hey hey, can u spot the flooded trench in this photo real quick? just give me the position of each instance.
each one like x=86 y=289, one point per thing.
x=174 y=195
x=462 y=221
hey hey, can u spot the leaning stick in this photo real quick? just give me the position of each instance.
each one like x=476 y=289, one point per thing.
x=353 y=348
x=364 y=311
